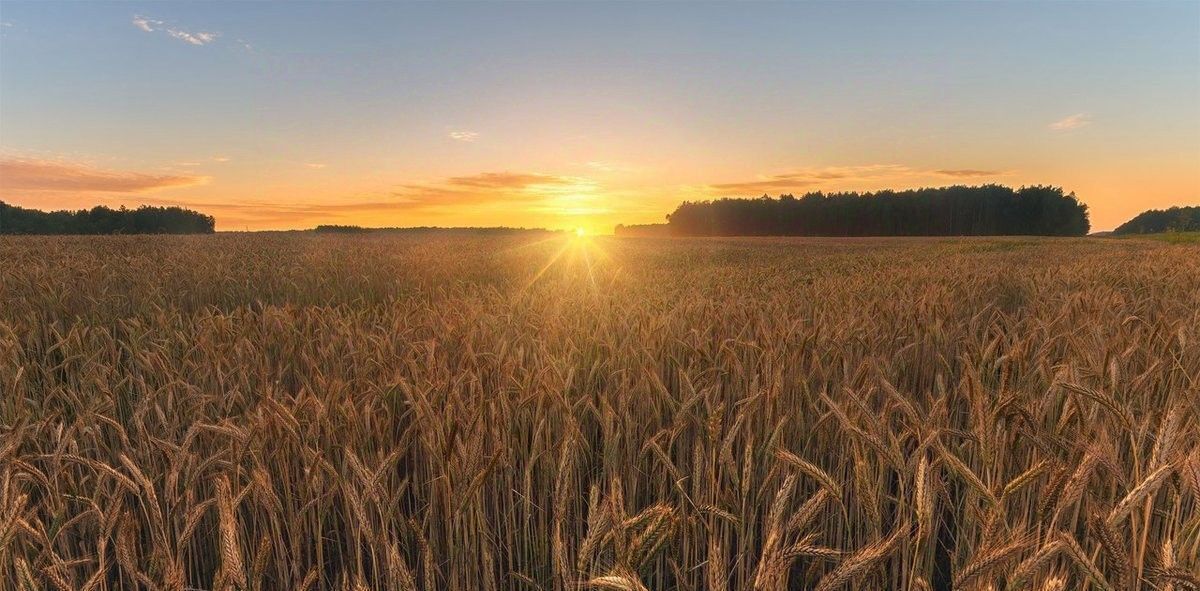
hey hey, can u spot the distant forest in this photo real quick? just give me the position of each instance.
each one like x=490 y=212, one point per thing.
x=1155 y=221
x=989 y=210
x=487 y=231
x=104 y=220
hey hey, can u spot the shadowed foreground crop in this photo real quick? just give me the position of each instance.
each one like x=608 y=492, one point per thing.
x=390 y=412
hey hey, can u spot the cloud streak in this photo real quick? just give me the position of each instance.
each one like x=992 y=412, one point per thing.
x=967 y=173
x=533 y=191
x=506 y=180
x=150 y=25
x=145 y=24
x=491 y=187
x=35 y=175
x=198 y=38
x=810 y=177
x=1072 y=122
x=464 y=136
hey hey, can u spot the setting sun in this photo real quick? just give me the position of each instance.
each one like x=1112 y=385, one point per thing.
x=575 y=128
x=580 y=232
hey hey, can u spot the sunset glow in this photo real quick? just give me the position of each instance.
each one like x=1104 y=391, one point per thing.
x=566 y=116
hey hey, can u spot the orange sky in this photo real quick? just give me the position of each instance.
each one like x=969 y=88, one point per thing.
x=587 y=116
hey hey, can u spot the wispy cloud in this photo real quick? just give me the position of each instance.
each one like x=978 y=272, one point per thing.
x=491 y=187
x=506 y=180
x=967 y=172
x=197 y=38
x=150 y=25
x=220 y=158
x=464 y=136
x=315 y=165
x=451 y=196
x=1072 y=122
x=145 y=24
x=810 y=177
x=31 y=174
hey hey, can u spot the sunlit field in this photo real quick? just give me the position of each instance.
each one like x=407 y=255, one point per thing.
x=563 y=412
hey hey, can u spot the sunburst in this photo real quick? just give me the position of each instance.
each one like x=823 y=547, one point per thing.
x=578 y=248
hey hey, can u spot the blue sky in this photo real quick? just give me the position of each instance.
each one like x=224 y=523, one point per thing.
x=587 y=114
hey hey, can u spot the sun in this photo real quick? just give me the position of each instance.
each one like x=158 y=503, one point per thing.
x=580 y=232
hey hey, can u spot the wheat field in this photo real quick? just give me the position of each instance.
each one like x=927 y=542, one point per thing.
x=302 y=412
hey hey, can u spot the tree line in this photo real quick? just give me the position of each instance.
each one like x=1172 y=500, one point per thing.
x=643 y=230
x=104 y=220
x=988 y=210
x=1155 y=221
x=482 y=231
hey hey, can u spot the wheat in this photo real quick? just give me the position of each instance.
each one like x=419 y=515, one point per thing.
x=313 y=412
x=860 y=562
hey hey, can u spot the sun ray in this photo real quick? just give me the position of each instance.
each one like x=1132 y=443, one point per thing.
x=542 y=271
x=530 y=244
x=587 y=261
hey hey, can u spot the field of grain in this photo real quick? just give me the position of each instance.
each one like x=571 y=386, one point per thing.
x=485 y=413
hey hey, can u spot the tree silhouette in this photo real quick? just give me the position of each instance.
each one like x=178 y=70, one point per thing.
x=987 y=210
x=104 y=220
x=1154 y=221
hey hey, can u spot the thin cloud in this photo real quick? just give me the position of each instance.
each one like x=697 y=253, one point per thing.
x=314 y=165
x=198 y=38
x=565 y=195
x=810 y=177
x=146 y=24
x=220 y=158
x=233 y=214
x=464 y=136
x=765 y=185
x=150 y=25
x=1072 y=122
x=533 y=191
x=492 y=187
x=29 y=174
x=967 y=173
x=506 y=180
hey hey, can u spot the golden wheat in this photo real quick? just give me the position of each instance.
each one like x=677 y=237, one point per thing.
x=291 y=411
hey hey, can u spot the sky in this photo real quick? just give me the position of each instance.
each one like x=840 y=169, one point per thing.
x=585 y=115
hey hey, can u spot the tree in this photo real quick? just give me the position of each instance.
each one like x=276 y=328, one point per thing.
x=104 y=220
x=1155 y=221
x=943 y=211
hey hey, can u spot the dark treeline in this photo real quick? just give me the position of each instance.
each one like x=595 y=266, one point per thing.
x=989 y=210
x=104 y=220
x=1154 y=221
x=643 y=230
x=487 y=231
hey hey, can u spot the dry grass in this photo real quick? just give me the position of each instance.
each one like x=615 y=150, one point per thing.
x=321 y=412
